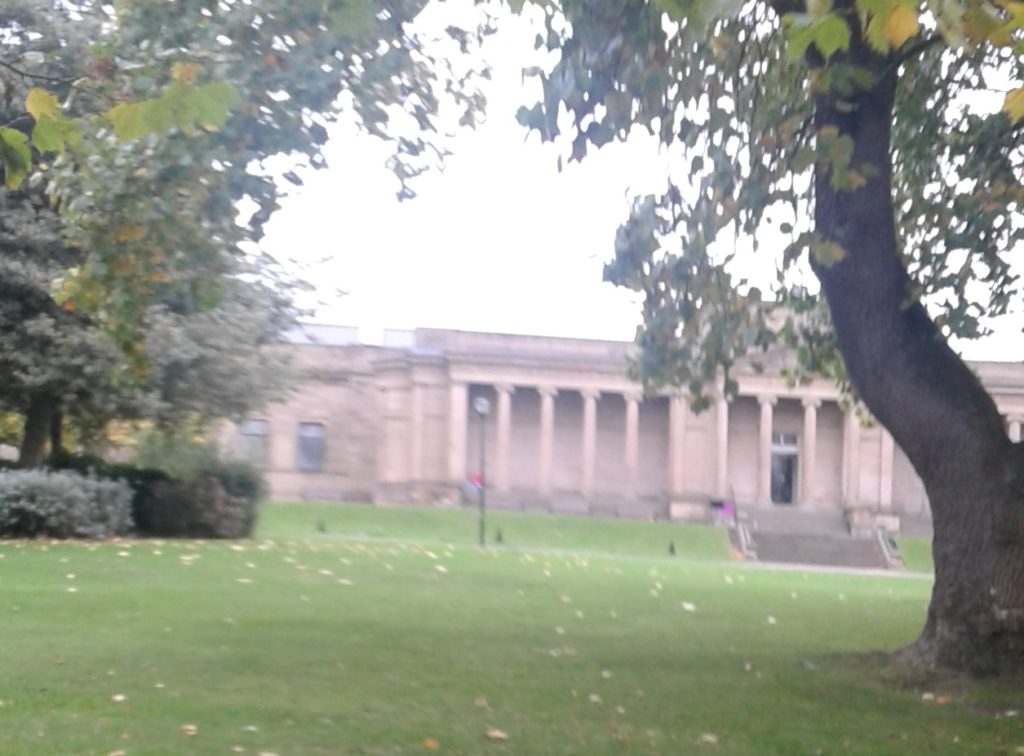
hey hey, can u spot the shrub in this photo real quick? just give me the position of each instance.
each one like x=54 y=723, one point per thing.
x=38 y=503
x=214 y=498
x=238 y=477
x=196 y=508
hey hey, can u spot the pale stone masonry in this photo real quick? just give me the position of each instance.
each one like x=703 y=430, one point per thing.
x=569 y=432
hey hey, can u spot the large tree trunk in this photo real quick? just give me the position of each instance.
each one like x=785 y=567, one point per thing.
x=925 y=395
x=38 y=421
x=57 y=431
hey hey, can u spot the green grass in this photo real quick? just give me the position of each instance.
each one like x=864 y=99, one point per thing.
x=917 y=554
x=313 y=643
x=460 y=526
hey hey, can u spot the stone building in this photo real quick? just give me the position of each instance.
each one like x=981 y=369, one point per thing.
x=567 y=431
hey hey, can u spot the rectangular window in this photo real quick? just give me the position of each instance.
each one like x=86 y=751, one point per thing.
x=312 y=447
x=254 y=441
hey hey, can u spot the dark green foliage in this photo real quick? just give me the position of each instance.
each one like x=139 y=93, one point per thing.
x=239 y=478
x=196 y=508
x=210 y=498
x=38 y=503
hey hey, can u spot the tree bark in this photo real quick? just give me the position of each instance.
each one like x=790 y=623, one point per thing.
x=925 y=395
x=37 y=430
x=56 y=431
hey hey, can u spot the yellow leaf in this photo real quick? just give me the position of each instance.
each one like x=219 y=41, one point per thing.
x=430 y=744
x=184 y=72
x=901 y=26
x=42 y=104
x=1013 y=105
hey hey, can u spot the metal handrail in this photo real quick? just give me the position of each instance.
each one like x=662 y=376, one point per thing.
x=890 y=550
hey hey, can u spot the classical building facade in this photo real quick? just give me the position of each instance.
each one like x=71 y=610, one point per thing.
x=567 y=431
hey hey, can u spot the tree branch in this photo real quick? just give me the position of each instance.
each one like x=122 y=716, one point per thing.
x=38 y=77
x=913 y=51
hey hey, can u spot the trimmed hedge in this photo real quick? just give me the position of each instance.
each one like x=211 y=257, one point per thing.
x=39 y=503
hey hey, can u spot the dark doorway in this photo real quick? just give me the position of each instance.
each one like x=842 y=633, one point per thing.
x=784 y=467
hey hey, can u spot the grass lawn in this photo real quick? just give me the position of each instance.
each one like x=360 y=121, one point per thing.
x=346 y=642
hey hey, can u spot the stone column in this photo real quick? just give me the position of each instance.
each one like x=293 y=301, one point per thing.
x=677 y=411
x=590 y=397
x=632 y=441
x=1013 y=427
x=458 y=401
x=547 y=438
x=503 y=427
x=416 y=433
x=888 y=448
x=808 y=461
x=722 y=448
x=764 y=451
x=851 y=457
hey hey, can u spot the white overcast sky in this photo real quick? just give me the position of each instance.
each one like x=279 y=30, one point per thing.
x=498 y=241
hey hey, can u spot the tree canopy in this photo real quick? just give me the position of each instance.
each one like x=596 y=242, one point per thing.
x=150 y=122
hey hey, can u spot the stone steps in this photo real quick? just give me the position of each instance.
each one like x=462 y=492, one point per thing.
x=829 y=550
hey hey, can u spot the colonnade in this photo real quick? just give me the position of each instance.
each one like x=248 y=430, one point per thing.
x=679 y=416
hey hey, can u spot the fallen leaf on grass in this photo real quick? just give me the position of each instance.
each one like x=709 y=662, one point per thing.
x=118 y=698
x=430 y=744
x=709 y=737
x=495 y=734
x=189 y=729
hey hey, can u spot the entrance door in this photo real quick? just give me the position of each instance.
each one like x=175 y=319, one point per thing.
x=784 y=466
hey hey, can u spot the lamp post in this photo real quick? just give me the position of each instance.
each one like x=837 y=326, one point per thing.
x=482 y=408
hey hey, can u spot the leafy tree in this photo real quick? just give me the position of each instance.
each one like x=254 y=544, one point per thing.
x=847 y=129
x=149 y=125
x=200 y=362
x=161 y=118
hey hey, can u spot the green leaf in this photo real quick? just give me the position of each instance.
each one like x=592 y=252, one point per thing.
x=185 y=107
x=15 y=156
x=213 y=103
x=829 y=33
x=832 y=35
x=130 y=120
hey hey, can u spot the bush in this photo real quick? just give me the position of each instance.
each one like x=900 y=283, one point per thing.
x=197 y=508
x=213 y=499
x=38 y=503
x=239 y=478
